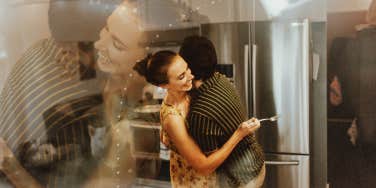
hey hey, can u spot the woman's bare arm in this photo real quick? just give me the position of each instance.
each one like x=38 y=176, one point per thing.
x=176 y=129
x=14 y=171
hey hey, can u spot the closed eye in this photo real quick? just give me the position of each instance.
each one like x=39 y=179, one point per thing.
x=182 y=75
x=117 y=45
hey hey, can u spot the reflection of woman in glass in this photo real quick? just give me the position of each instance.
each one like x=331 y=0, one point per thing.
x=118 y=48
x=44 y=56
x=189 y=167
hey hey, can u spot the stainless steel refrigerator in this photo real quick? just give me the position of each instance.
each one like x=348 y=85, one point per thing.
x=272 y=70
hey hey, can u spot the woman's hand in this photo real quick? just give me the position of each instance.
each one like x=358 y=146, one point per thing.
x=16 y=174
x=249 y=127
x=5 y=155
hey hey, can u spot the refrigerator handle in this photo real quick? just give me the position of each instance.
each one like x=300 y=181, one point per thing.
x=280 y=163
x=254 y=59
x=246 y=77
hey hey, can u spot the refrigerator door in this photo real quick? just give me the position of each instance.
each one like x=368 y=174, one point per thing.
x=280 y=84
x=283 y=171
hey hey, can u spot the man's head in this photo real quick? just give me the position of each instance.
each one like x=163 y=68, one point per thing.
x=79 y=20
x=119 y=44
x=199 y=53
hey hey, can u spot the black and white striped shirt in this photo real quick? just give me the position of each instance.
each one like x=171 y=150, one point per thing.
x=215 y=113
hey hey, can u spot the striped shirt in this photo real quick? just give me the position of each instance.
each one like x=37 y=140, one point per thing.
x=40 y=103
x=215 y=113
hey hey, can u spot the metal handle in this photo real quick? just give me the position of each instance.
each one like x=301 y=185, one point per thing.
x=254 y=58
x=146 y=126
x=246 y=77
x=306 y=49
x=265 y=119
x=306 y=86
x=279 y=163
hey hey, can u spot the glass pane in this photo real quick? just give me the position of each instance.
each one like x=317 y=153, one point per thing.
x=74 y=112
x=351 y=65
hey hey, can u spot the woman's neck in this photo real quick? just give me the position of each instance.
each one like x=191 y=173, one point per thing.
x=175 y=97
x=120 y=78
x=120 y=81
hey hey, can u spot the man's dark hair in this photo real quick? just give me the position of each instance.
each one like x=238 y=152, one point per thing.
x=199 y=53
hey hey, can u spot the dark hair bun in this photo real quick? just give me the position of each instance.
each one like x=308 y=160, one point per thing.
x=154 y=67
x=141 y=66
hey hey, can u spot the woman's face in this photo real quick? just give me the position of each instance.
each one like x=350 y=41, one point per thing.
x=118 y=46
x=179 y=75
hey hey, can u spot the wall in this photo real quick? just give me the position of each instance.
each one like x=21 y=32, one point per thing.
x=342 y=24
x=220 y=11
x=260 y=10
x=347 y=5
x=343 y=16
x=22 y=24
x=166 y=14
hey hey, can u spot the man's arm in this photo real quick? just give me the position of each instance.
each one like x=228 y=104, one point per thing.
x=14 y=171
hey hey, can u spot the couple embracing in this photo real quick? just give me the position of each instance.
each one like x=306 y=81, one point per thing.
x=203 y=120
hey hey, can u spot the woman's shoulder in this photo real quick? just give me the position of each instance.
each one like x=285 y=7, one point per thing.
x=167 y=109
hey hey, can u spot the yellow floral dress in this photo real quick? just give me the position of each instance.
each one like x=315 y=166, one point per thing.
x=182 y=174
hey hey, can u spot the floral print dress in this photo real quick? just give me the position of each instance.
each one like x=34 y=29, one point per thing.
x=182 y=174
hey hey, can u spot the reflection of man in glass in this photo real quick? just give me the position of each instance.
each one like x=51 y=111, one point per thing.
x=50 y=99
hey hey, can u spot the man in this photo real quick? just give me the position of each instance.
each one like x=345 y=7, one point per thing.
x=215 y=113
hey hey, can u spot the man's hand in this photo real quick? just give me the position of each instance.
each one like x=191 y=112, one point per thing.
x=249 y=127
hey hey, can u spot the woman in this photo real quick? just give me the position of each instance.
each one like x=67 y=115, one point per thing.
x=188 y=165
x=118 y=48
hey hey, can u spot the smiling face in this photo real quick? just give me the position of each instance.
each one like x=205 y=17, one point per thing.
x=179 y=75
x=118 y=46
